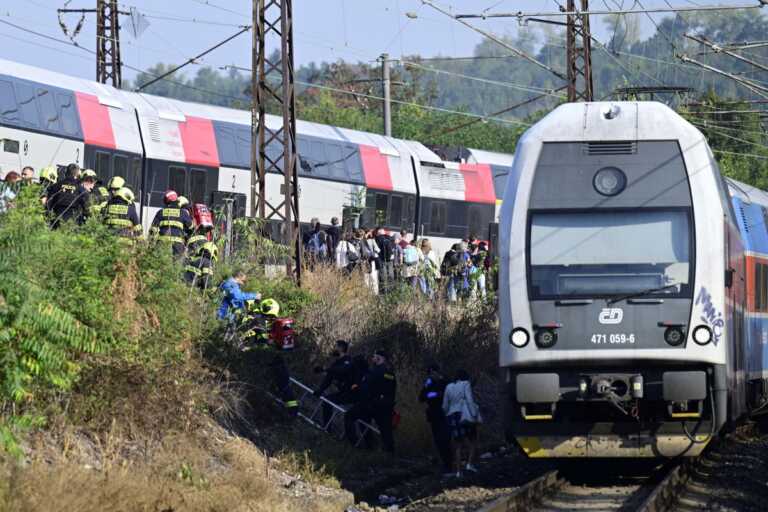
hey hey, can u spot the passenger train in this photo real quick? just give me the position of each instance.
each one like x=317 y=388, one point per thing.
x=633 y=296
x=203 y=152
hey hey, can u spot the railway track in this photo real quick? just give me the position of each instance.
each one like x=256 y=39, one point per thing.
x=583 y=489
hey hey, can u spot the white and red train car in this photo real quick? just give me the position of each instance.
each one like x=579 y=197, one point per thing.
x=203 y=152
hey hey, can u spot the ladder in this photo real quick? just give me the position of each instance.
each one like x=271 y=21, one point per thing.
x=310 y=409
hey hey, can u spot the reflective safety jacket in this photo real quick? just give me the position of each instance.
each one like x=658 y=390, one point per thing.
x=97 y=200
x=122 y=218
x=199 y=270
x=171 y=224
x=195 y=242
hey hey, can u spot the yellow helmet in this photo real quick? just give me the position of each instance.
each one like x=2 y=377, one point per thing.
x=211 y=249
x=49 y=174
x=183 y=201
x=116 y=183
x=269 y=307
x=125 y=194
x=88 y=173
x=252 y=306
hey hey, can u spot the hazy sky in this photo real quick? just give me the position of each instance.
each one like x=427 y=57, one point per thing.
x=325 y=30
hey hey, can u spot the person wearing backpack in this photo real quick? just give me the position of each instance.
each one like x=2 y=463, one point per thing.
x=347 y=254
x=463 y=416
x=452 y=270
x=410 y=266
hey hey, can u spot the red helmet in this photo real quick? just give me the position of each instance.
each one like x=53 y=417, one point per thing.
x=171 y=197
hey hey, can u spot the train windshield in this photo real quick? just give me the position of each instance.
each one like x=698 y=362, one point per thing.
x=600 y=254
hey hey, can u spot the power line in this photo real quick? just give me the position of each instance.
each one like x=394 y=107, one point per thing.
x=551 y=14
x=400 y=102
x=497 y=40
x=191 y=60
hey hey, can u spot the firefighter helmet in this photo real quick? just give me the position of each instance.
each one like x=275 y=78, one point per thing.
x=170 y=197
x=183 y=201
x=252 y=306
x=116 y=183
x=269 y=307
x=89 y=173
x=125 y=194
x=49 y=174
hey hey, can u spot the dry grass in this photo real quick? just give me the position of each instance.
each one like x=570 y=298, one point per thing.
x=183 y=473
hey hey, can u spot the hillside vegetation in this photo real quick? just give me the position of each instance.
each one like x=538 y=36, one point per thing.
x=118 y=392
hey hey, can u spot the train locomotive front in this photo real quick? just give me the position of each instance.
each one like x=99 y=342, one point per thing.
x=616 y=245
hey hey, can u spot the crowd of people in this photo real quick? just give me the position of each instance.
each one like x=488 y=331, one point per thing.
x=80 y=195
x=388 y=260
x=366 y=387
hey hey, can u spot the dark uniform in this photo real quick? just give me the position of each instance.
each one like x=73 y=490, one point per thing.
x=66 y=201
x=281 y=382
x=199 y=269
x=342 y=374
x=432 y=394
x=122 y=218
x=172 y=224
x=377 y=402
x=195 y=242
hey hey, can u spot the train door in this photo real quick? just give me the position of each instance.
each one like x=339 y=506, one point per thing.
x=737 y=302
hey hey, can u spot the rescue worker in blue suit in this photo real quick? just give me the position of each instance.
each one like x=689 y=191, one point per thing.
x=234 y=298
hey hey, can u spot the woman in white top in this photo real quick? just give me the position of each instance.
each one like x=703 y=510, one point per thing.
x=463 y=416
x=347 y=255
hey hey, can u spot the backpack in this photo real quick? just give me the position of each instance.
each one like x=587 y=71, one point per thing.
x=411 y=255
x=352 y=254
x=385 y=246
x=313 y=244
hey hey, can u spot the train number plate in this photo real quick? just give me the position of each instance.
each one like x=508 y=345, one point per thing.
x=613 y=339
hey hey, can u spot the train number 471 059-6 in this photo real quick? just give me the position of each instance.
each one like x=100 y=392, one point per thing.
x=613 y=339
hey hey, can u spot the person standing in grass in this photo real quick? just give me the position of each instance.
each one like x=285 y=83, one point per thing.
x=463 y=416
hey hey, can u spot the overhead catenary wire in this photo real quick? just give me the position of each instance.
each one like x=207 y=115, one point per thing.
x=752 y=86
x=191 y=60
x=497 y=40
x=399 y=102
x=757 y=4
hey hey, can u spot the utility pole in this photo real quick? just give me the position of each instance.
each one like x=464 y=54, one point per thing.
x=108 y=62
x=273 y=84
x=579 y=53
x=387 y=86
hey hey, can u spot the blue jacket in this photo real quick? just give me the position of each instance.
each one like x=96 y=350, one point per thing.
x=234 y=298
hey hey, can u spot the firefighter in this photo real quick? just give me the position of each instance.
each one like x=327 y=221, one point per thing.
x=66 y=198
x=251 y=324
x=184 y=204
x=198 y=239
x=340 y=373
x=100 y=194
x=376 y=401
x=281 y=382
x=115 y=184
x=199 y=268
x=48 y=176
x=120 y=215
x=92 y=200
x=172 y=224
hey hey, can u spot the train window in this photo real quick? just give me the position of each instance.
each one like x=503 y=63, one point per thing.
x=49 y=116
x=11 y=146
x=380 y=210
x=227 y=146
x=177 y=180
x=135 y=174
x=475 y=221
x=336 y=162
x=317 y=158
x=198 y=178
x=396 y=211
x=120 y=168
x=103 y=166
x=67 y=113
x=26 y=97
x=437 y=218
x=244 y=146
x=9 y=110
x=409 y=214
x=761 y=287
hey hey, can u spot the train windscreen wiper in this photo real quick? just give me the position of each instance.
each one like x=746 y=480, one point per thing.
x=619 y=298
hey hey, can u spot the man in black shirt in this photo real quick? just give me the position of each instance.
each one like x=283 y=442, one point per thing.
x=377 y=402
x=67 y=198
x=341 y=373
x=432 y=394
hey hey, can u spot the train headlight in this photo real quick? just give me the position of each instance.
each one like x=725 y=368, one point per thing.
x=674 y=336
x=545 y=338
x=519 y=337
x=702 y=335
x=609 y=181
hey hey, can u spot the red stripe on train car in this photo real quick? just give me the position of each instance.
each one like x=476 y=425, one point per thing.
x=95 y=120
x=375 y=168
x=478 y=183
x=199 y=141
